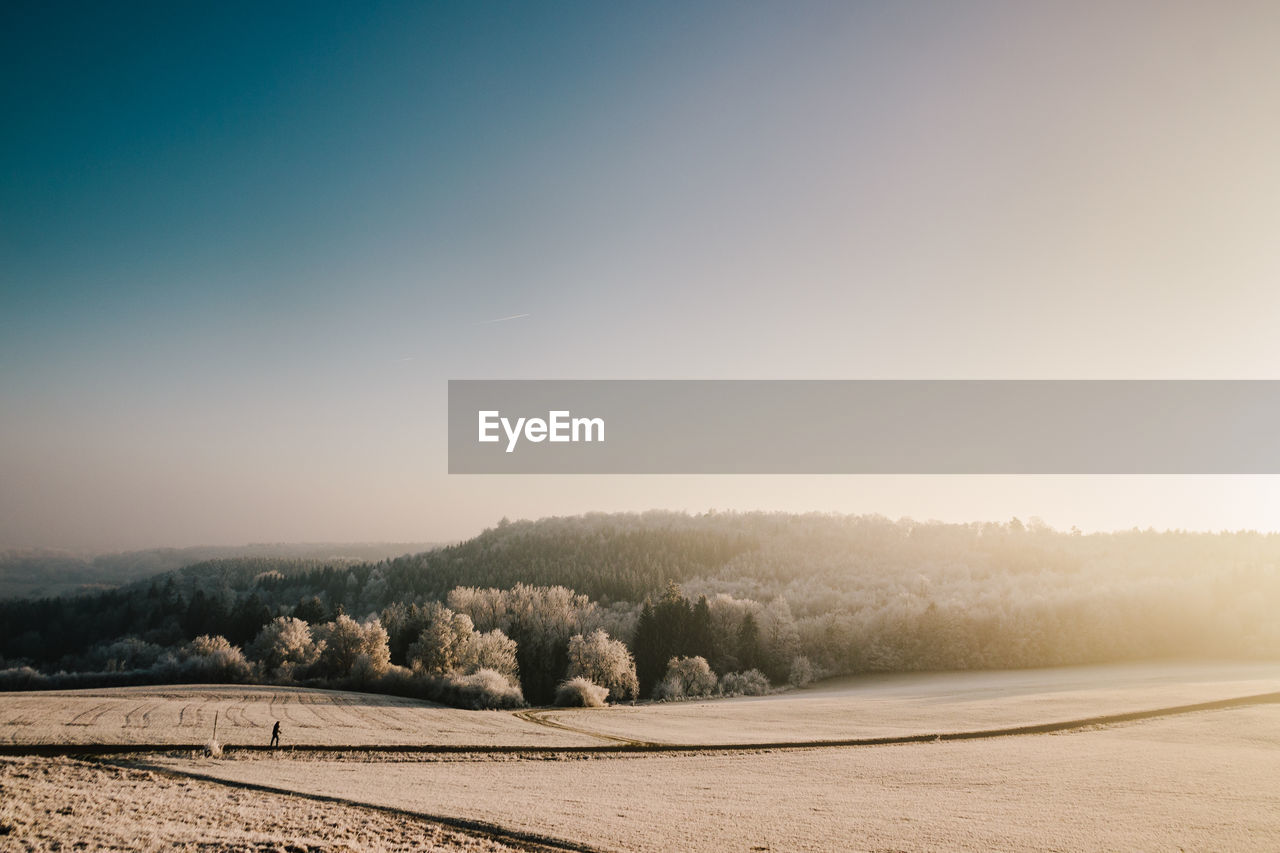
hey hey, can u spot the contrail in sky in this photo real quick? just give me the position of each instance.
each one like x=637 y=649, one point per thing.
x=502 y=319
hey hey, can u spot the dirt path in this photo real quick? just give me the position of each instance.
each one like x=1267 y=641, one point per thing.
x=538 y=716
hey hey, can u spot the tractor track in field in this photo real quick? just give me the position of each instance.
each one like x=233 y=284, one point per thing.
x=619 y=745
x=538 y=716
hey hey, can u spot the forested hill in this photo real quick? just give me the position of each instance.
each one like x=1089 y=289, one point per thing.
x=822 y=592
x=607 y=557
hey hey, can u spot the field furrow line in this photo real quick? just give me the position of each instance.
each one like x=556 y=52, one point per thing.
x=370 y=711
x=92 y=715
x=139 y=716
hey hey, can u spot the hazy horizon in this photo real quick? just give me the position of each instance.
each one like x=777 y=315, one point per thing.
x=244 y=248
x=1028 y=520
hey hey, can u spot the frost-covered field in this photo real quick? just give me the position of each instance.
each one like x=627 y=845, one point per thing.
x=181 y=714
x=1207 y=780
x=60 y=803
x=851 y=708
x=1202 y=781
x=891 y=705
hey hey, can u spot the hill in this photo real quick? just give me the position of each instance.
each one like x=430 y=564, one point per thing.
x=791 y=596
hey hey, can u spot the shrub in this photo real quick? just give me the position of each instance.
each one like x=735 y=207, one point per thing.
x=206 y=658
x=605 y=662
x=401 y=681
x=485 y=689
x=124 y=655
x=687 y=678
x=750 y=683
x=22 y=678
x=578 y=692
x=26 y=678
x=801 y=674
x=365 y=673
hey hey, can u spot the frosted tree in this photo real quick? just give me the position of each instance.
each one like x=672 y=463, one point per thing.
x=801 y=674
x=779 y=638
x=448 y=644
x=284 y=646
x=443 y=643
x=492 y=650
x=687 y=678
x=605 y=662
x=540 y=619
x=346 y=642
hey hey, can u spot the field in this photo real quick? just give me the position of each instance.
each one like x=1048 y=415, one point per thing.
x=875 y=706
x=1207 y=779
x=46 y=802
x=184 y=715
x=902 y=705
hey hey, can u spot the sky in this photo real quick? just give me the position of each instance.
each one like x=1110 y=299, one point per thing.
x=243 y=247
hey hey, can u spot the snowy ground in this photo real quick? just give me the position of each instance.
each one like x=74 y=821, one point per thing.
x=1208 y=780
x=892 y=705
x=183 y=714
x=1203 y=781
x=849 y=708
x=60 y=803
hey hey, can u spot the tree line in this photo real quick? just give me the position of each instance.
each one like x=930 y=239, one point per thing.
x=756 y=599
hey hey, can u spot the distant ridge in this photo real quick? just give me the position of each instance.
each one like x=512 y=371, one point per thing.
x=42 y=572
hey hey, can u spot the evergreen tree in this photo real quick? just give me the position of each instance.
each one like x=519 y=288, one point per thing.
x=247 y=620
x=310 y=610
x=650 y=666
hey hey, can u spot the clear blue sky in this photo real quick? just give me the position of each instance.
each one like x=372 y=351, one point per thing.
x=243 y=246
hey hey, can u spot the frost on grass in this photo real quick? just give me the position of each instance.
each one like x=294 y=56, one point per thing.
x=1203 y=781
x=184 y=715
x=62 y=803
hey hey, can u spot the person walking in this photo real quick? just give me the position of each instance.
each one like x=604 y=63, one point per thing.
x=275 y=734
